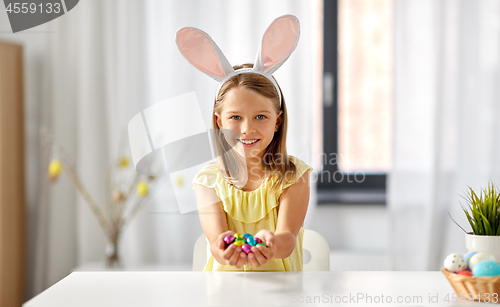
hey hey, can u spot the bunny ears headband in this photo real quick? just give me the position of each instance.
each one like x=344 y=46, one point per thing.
x=278 y=43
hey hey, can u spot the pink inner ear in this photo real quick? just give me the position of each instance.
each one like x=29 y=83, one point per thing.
x=199 y=51
x=279 y=41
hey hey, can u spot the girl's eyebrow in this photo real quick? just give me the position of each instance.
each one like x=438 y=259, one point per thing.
x=235 y=112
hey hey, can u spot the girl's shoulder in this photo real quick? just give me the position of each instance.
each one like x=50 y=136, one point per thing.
x=208 y=175
x=300 y=166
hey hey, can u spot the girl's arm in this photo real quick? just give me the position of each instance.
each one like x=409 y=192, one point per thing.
x=291 y=215
x=214 y=224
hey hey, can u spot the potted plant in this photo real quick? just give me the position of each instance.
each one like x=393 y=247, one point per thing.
x=483 y=214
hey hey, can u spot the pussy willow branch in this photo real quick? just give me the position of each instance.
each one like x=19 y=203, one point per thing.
x=49 y=141
x=112 y=220
x=132 y=185
x=138 y=206
x=135 y=209
x=108 y=194
x=103 y=222
x=128 y=194
x=116 y=216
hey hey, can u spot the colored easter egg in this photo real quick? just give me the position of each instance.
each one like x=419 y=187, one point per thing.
x=229 y=239
x=239 y=242
x=247 y=248
x=467 y=258
x=479 y=257
x=123 y=161
x=465 y=273
x=250 y=240
x=142 y=188
x=455 y=263
x=486 y=268
x=55 y=168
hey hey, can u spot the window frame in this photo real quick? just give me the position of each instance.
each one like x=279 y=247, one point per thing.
x=350 y=189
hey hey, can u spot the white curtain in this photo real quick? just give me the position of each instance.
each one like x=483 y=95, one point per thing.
x=446 y=127
x=105 y=61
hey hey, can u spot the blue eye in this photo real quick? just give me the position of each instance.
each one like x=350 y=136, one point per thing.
x=233 y=117
x=261 y=117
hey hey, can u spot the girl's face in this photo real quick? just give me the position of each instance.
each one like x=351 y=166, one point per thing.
x=254 y=119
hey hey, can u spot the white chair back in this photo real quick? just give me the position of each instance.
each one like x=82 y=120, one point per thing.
x=317 y=247
x=200 y=253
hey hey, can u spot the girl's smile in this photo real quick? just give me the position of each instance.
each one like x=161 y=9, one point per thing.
x=248 y=143
x=253 y=117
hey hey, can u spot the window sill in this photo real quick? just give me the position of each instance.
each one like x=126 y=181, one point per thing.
x=362 y=196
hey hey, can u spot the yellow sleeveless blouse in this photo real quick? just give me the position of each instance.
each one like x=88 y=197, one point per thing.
x=249 y=212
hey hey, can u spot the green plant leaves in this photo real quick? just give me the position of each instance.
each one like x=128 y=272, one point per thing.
x=474 y=228
x=483 y=211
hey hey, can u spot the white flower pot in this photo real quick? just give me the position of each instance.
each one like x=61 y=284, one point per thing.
x=488 y=244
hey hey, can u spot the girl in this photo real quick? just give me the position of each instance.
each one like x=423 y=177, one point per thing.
x=254 y=187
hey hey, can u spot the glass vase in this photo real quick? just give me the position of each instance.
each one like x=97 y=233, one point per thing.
x=112 y=253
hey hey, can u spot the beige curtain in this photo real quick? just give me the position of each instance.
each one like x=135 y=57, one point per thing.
x=446 y=134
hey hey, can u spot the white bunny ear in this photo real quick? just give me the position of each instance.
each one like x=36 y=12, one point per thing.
x=278 y=42
x=202 y=52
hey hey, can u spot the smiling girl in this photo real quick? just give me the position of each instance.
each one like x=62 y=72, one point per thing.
x=255 y=187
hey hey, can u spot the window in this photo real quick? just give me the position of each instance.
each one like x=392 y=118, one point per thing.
x=357 y=101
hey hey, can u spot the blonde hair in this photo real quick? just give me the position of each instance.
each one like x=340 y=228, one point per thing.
x=276 y=161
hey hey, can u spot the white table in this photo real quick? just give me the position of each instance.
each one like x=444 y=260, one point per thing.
x=247 y=289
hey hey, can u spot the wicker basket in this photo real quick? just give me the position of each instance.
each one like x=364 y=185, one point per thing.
x=477 y=286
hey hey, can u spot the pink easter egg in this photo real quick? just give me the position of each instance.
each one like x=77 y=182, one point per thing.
x=229 y=239
x=247 y=248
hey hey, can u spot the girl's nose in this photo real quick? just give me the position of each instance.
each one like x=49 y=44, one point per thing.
x=247 y=127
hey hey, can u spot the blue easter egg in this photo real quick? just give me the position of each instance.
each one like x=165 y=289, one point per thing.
x=245 y=235
x=467 y=258
x=486 y=268
x=251 y=240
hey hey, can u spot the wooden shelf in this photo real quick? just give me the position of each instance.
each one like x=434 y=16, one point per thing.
x=12 y=199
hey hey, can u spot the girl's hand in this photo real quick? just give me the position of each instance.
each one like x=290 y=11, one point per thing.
x=260 y=254
x=233 y=255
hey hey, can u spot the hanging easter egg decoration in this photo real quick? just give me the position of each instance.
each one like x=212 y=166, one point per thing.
x=55 y=168
x=142 y=188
